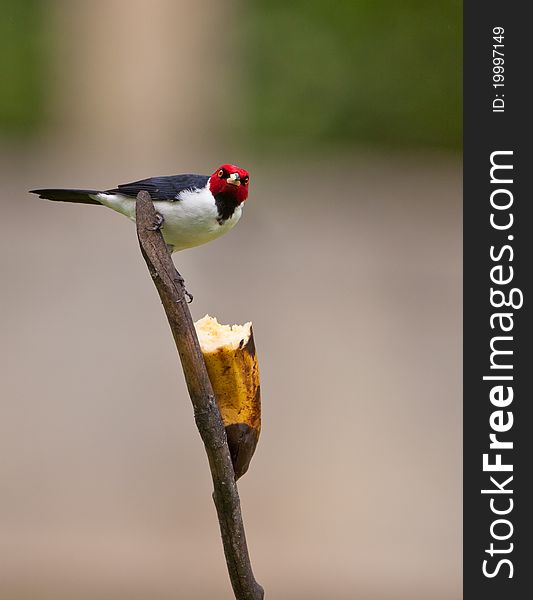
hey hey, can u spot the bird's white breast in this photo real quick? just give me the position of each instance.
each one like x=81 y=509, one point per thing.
x=190 y=221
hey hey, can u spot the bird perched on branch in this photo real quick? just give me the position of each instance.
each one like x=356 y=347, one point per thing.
x=193 y=209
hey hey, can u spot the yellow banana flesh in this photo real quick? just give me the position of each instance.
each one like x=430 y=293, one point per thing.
x=230 y=357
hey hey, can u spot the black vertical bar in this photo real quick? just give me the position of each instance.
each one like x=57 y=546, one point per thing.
x=488 y=131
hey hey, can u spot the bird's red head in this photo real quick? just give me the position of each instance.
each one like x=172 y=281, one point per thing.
x=231 y=180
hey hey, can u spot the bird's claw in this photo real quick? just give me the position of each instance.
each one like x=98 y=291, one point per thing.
x=158 y=222
x=188 y=296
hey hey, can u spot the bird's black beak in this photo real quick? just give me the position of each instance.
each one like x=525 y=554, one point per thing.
x=234 y=179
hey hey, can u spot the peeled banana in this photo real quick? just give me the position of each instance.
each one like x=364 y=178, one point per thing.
x=229 y=354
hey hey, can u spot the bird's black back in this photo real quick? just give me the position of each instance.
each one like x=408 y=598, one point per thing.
x=159 y=188
x=162 y=188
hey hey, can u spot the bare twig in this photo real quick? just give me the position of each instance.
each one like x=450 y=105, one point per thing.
x=169 y=284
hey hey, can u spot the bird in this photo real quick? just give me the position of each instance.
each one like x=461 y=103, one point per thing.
x=193 y=209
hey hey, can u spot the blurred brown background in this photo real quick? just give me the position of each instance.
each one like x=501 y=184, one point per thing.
x=347 y=259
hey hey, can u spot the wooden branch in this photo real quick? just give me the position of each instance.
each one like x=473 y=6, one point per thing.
x=169 y=284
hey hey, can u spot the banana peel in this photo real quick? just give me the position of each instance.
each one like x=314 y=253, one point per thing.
x=231 y=361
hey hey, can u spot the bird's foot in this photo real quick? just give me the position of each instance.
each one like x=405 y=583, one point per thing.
x=158 y=222
x=188 y=296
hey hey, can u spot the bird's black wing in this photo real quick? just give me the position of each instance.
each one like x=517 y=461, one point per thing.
x=162 y=188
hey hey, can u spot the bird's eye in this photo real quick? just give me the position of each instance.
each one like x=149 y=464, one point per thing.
x=245 y=180
x=221 y=172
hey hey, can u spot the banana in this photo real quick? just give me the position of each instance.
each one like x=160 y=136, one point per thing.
x=231 y=361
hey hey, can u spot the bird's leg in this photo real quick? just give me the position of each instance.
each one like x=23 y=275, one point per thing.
x=159 y=220
x=158 y=223
x=179 y=279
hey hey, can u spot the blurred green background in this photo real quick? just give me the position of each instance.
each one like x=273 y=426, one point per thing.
x=23 y=63
x=382 y=73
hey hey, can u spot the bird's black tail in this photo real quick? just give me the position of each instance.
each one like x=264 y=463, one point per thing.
x=79 y=196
